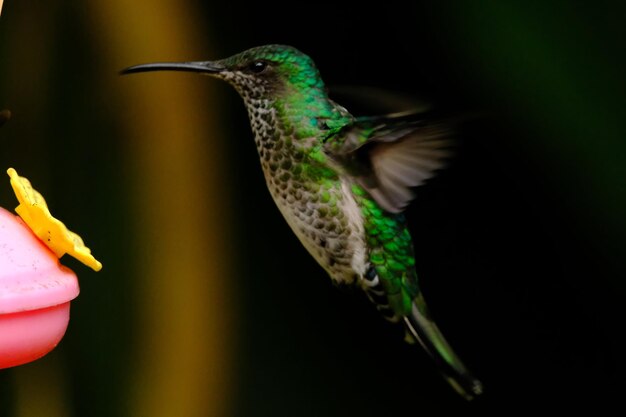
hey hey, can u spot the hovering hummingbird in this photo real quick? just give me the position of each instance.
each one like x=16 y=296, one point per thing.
x=342 y=182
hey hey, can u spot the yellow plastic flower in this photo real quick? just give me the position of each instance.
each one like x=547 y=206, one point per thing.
x=34 y=211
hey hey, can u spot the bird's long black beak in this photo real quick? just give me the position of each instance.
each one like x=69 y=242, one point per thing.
x=206 y=67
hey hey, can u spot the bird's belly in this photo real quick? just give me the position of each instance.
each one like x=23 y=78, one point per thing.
x=326 y=231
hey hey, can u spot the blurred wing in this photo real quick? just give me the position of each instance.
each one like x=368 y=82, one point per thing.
x=367 y=100
x=391 y=154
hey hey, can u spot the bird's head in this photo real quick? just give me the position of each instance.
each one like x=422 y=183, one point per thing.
x=263 y=72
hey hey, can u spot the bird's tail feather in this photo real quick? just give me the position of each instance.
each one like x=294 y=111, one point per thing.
x=425 y=331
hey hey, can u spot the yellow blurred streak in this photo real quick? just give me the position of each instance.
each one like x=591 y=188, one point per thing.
x=183 y=364
x=40 y=389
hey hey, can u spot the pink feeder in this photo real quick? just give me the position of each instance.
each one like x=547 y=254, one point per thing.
x=35 y=294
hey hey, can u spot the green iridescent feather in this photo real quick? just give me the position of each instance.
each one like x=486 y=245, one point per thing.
x=391 y=252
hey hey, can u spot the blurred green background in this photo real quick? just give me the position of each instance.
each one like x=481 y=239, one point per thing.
x=208 y=306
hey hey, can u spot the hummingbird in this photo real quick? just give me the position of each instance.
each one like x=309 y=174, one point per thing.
x=342 y=183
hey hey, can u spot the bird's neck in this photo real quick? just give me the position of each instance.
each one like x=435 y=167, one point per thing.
x=288 y=135
x=299 y=116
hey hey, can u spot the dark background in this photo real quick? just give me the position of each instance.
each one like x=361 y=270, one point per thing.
x=519 y=244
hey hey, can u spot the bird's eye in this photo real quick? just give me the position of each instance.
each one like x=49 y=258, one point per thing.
x=258 y=66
